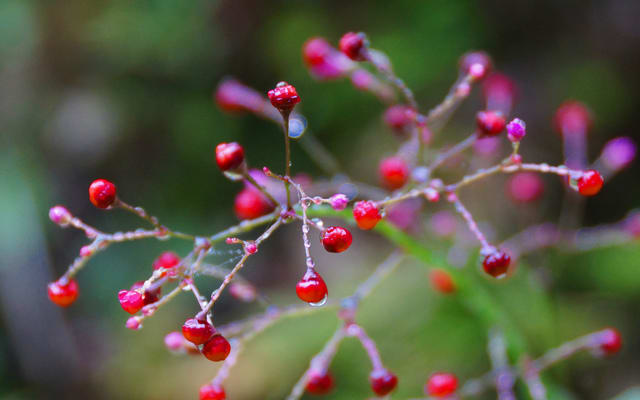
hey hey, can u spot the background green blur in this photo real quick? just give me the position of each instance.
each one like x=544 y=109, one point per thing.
x=122 y=90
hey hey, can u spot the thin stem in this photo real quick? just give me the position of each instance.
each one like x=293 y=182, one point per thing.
x=287 y=152
x=244 y=226
x=385 y=69
x=368 y=344
x=456 y=149
x=471 y=223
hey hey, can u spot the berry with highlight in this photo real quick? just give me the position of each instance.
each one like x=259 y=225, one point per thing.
x=336 y=239
x=366 y=214
x=102 y=193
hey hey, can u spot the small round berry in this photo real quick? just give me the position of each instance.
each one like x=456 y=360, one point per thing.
x=336 y=239
x=229 y=156
x=250 y=204
x=572 y=117
x=284 y=97
x=148 y=296
x=398 y=117
x=516 y=130
x=311 y=288
x=102 y=193
x=315 y=51
x=60 y=215
x=441 y=281
x=394 y=172
x=196 y=331
x=525 y=187
x=366 y=214
x=496 y=264
x=212 y=392
x=168 y=260
x=441 y=384
x=130 y=300
x=490 y=123
x=476 y=62
x=338 y=201
x=63 y=294
x=382 y=382
x=610 y=341
x=174 y=341
x=133 y=323
x=353 y=45
x=319 y=382
x=617 y=153
x=590 y=183
x=217 y=348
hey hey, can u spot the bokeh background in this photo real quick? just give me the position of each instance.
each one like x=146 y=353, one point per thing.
x=123 y=90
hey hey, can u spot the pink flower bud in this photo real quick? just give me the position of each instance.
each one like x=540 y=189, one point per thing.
x=516 y=130
x=133 y=323
x=60 y=215
x=339 y=201
x=174 y=341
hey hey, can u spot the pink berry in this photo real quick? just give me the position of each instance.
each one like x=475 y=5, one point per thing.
x=315 y=51
x=229 y=156
x=516 y=130
x=382 y=382
x=197 y=331
x=311 y=288
x=441 y=281
x=572 y=117
x=250 y=204
x=60 y=215
x=217 y=348
x=441 y=384
x=398 y=117
x=336 y=239
x=148 y=296
x=490 y=123
x=212 y=392
x=63 y=294
x=496 y=264
x=174 y=341
x=339 y=201
x=353 y=45
x=130 y=300
x=284 y=97
x=133 y=323
x=233 y=96
x=102 y=193
x=479 y=58
x=393 y=172
x=610 y=341
x=525 y=187
x=319 y=382
x=590 y=183
x=366 y=214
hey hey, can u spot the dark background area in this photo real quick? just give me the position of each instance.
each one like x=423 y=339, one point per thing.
x=123 y=90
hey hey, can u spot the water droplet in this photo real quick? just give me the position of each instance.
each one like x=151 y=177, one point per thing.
x=297 y=126
x=321 y=302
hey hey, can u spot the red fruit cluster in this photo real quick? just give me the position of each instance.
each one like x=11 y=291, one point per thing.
x=319 y=382
x=490 y=123
x=250 y=204
x=394 y=172
x=311 y=288
x=284 y=97
x=212 y=392
x=63 y=294
x=590 y=183
x=229 y=156
x=336 y=239
x=102 y=193
x=496 y=264
x=366 y=214
x=353 y=45
x=383 y=382
x=441 y=384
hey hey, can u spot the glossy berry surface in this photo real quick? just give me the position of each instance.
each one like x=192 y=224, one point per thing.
x=441 y=384
x=229 y=156
x=311 y=288
x=196 y=331
x=149 y=296
x=63 y=295
x=284 y=97
x=496 y=264
x=366 y=214
x=393 y=172
x=250 y=204
x=441 y=281
x=353 y=46
x=590 y=183
x=610 y=341
x=490 y=123
x=315 y=51
x=212 y=392
x=167 y=260
x=217 y=348
x=336 y=239
x=383 y=382
x=130 y=300
x=319 y=383
x=102 y=193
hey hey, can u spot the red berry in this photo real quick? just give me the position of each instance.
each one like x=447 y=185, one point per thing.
x=197 y=331
x=130 y=300
x=353 y=46
x=476 y=57
x=217 y=348
x=398 y=117
x=572 y=117
x=148 y=296
x=394 y=172
x=63 y=295
x=250 y=204
x=490 y=123
x=284 y=97
x=441 y=384
x=315 y=51
x=590 y=183
x=525 y=187
x=319 y=383
x=441 y=281
x=229 y=155
x=102 y=193
x=167 y=260
x=366 y=214
x=382 y=382
x=311 y=288
x=212 y=392
x=610 y=341
x=496 y=264
x=336 y=239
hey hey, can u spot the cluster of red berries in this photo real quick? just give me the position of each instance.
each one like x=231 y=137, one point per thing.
x=200 y=332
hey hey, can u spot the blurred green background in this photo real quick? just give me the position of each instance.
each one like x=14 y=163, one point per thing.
x=123 y=90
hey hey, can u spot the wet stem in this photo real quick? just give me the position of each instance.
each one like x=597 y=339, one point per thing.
x=287 y=153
